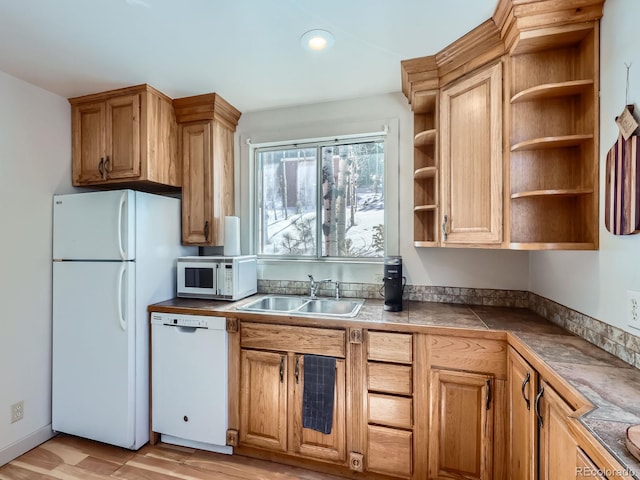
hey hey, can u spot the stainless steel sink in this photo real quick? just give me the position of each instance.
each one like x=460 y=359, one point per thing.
x=347 y=308
x=321 y=307
x=272 y=303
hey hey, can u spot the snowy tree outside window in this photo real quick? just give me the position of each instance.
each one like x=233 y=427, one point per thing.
x=321 y=200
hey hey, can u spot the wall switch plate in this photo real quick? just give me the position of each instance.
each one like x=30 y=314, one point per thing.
x=633 y=309
x=17 y=411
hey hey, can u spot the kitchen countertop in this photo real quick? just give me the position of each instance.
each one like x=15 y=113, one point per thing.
x=608 y=383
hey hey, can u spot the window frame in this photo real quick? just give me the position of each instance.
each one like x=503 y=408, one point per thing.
x=318 y=144
x=281 y=126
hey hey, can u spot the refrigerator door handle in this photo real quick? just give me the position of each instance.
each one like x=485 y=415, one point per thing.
x=123 y=322
x=120 y=215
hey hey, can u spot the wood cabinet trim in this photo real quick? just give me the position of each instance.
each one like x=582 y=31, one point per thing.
x=286 y=338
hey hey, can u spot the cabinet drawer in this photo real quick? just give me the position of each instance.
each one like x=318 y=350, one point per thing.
x=390 y=347
x=470 y=354
x=317 y=341
x=389 y=378
x=391 y=411
x=389 y=451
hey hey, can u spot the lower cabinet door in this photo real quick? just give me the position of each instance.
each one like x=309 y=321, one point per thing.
x=389 y=451
x=585 y=468
x=460 y=425
x=263 y=400
x=558 y=447
x=523 y=428
x=312 y=443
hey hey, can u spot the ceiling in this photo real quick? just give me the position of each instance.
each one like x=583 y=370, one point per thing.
x=248 y=51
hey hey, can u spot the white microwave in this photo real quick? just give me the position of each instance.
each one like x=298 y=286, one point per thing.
x=218 y=278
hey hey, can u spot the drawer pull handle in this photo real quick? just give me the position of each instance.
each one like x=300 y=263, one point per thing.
x=297 y=370
x=444 y=228
x=101 y=167
x=524 y=386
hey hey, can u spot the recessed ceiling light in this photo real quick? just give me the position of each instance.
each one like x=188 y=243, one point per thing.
x=316 y=40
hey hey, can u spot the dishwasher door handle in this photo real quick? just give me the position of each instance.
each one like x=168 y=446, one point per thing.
x=183 y=329
x=187 y=329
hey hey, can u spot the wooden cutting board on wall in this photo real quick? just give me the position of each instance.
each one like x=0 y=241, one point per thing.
x=622 y=196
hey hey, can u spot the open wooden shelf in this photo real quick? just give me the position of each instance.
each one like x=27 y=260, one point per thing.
x=563 y=141
x=425 y=168
x=425 y=244
x=542 y=39
x=553 y=90
x=424 y=208
x=425 y=139
x=425 y=172
x=424 y=102
x=551 y=246
x=561 y=192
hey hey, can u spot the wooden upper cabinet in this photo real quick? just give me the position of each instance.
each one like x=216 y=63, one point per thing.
x=125 y=138
x=471 y=159
x=206 y=137
x=549 y=193
x=195 y=150
x=88 y=144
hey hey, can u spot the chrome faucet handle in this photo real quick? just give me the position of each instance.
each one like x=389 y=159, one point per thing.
x=337 y=290
x=312 y=287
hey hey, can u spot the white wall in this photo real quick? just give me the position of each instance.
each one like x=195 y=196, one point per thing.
x=595 y=283
x=440 y=267
x=35 y=162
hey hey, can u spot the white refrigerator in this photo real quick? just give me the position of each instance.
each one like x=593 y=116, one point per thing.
x=114 y=253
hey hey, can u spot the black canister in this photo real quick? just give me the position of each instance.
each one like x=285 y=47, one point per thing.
x=393 y=284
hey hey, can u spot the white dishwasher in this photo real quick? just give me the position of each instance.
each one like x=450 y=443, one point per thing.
x=189 y=380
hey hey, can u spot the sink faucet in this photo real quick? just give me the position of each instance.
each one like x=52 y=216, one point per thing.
x=337 y=290
x=314 y=286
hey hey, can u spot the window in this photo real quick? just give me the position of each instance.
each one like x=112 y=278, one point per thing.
x=322 y=199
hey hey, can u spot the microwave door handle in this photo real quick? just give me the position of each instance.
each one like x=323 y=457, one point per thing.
x=219 y=278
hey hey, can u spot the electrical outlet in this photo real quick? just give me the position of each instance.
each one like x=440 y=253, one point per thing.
x=17 y=411
x=633 y=309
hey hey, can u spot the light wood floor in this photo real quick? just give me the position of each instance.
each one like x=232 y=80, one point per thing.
x=70 y=458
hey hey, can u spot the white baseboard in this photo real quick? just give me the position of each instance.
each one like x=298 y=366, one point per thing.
x=25 y=444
